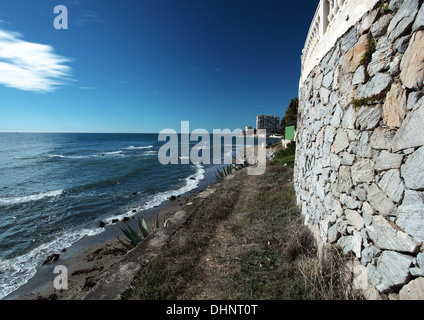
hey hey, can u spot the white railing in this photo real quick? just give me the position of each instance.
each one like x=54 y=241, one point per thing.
x=324 y=16
x=331 y=20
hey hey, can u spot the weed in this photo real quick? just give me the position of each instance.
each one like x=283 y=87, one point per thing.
x=366 y=58
x=379 y=98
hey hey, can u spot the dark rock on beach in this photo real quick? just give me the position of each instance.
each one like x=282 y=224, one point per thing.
x=172 y=198
x=102 y=224
x=51 y=258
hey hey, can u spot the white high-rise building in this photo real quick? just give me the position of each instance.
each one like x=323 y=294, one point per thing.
x=270 y=123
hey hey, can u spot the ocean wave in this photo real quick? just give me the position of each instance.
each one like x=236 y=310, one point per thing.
x=118 y=153
x=17 y=271
x=24 y=157
x=191 y=182
x=137 y=148
x=112 y=153
x=55 y=156
x=35 y=197
x=150 y=152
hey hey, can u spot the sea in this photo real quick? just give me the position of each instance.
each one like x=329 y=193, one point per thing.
x=55 y=188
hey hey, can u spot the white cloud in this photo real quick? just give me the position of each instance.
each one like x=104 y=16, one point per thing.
x=30 y=66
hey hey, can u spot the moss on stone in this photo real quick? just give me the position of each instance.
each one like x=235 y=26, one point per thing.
x=366 y=58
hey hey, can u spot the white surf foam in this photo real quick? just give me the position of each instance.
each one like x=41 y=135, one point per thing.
x=55 y=156
x=191 y=182
x=35 y=197
x=17 y=271
x=113 y=153
x=137 y=148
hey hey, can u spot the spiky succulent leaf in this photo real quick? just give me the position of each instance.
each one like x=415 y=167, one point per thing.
x=143 y=228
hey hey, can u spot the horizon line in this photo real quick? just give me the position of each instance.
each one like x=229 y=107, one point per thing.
x=88 y=132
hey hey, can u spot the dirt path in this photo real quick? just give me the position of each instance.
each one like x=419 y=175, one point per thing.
x=221 y=258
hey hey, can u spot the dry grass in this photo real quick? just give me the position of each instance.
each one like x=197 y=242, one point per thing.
x=328 y=277
x=171 y=274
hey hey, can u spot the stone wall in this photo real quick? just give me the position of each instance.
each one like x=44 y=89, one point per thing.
x=359 y=172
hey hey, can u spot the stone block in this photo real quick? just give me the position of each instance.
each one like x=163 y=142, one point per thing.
x=392 y=185
x=359 y=76
x=333 y=234
x=403 y=19
x=413 y=170
x=328 y=79
x=368 y=254
x=381 y=58
x=349 y=118
x=351 y=60
x=369 y=117
x=394 y=67
x=347 y=158
x=419 y=20
x=334 y=162
x=382 y=138
x=391 y=271
x=402 y=44
x=414 y=100
x=361 y=194
x=344 y=181
x=394 y=108
x=379 y=28
x=341 y=142
x=362 y=147
x=411 y=215
x=375 y=86
x=387 y=236
x=380 y=202
x=348 y=40
x=336 y=118
x=412 y=64
x=387 y=160
x=363 y=171
x=324 y=94
x=355 y=219
x=348 y=201
x=410 y=134
x=394 y=5
x=414 y=290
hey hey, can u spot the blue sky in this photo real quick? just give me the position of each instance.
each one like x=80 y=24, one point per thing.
x=147 y=65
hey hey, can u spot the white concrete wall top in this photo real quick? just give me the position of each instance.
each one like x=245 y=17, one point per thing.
x=332 y=19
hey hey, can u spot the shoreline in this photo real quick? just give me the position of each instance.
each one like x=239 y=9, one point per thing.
x=103 y=243
x=92 y=257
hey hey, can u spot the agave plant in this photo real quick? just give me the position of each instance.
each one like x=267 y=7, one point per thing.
x=133 y=237
x=225 y=171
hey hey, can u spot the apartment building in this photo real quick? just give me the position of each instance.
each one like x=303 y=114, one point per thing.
x=270 y=123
